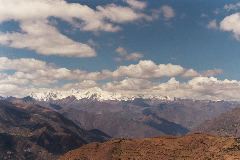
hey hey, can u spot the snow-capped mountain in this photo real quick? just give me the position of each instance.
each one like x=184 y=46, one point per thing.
x=93 y=93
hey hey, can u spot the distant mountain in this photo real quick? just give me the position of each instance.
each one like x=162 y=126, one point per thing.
x=139 y=117
x=195 y=146
x=30 y=131
x=93 y=93
x=227 y=124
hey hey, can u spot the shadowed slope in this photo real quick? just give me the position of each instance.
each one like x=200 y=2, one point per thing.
x=38 y=130
x=227 y=124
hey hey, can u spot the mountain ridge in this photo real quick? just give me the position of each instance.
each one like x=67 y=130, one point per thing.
x=98 y=94
x=93 y=93
x=33 y=132
x=226 y=124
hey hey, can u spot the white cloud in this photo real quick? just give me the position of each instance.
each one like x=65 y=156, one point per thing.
x=87 y=18
x=11 y=90
x=36 y=72
x=134 y=56
x=136 y=4
x=231 y=24
x=31 y=75
x=212 y=24
x=40 y=72
x=190 y=73
x=124 y=55
x=132 y=84
x=45 y=39
x=27 y=64
x=212 y=88
x=119 y=14
x=209 y=88
x=212 y=72
x=148 y=69
x=85 y=84
x=39 y=35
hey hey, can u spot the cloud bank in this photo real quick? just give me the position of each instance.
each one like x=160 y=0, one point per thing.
x=144 y=77
x=38 y=34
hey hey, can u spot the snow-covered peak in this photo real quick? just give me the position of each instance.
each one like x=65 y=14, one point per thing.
x=93 y=93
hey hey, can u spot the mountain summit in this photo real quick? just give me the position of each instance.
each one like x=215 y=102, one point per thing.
x=92 y=93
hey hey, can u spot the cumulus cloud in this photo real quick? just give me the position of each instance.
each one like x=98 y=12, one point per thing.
x=27 y=64
x=136 y=4
x=38 y=34
x=45 y=39
x=85 y=84
x=124 y=55
x=148 y=69
x=38 y=72
x=231 y=24
x=212 y=72
x=190 y=73
x=209 y=88
x=90 y=19
x=119 y=14
x=212 y=88
x=11 y=90
x=32 y=75
x=128 y=84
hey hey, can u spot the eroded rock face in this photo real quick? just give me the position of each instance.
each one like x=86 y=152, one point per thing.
x=189 y=147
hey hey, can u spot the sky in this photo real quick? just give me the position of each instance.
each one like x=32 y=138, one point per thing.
x=185 y=49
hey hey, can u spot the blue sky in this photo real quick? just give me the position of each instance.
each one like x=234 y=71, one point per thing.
x=184 y=39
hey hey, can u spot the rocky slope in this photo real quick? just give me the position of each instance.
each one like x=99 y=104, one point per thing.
x=227 y=124
x=33 y=132
x=195 y=146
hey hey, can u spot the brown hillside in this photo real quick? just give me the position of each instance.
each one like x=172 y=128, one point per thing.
x=189 y=147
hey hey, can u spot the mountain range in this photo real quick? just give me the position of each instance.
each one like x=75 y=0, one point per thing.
x=140 y=118
x=93 y=93
x=46 y=128
x=132 y=117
